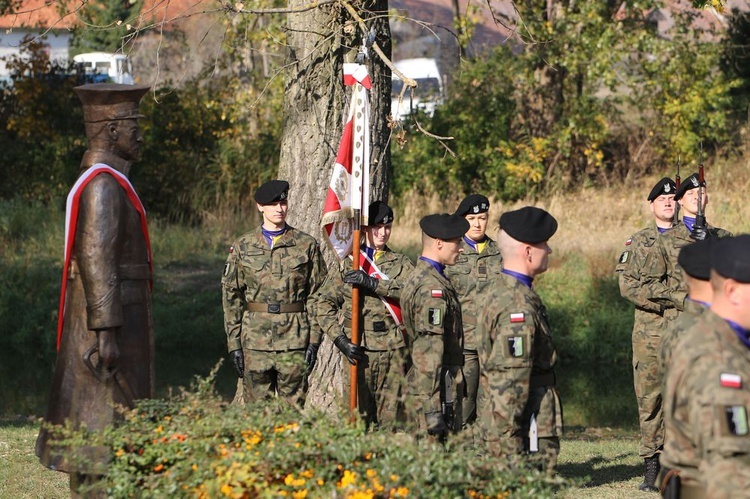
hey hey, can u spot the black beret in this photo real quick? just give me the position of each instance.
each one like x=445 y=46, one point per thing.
x=444 y=226
x=272 y=191
x=380 y=214
x=695 y=259
x=472 y=205
x=529 y=224
x=730 y=257
x=689 y=183
x=663 y=187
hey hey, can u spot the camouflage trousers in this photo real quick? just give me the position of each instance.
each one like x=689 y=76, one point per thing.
x=275 y=373
x=415 y=403
x=380 y=384
x=471 y=380
x=647 y=383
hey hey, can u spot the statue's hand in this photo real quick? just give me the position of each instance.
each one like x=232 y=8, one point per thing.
x=109 y=352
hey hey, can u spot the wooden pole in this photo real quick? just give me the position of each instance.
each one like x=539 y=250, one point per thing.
x=353 y=370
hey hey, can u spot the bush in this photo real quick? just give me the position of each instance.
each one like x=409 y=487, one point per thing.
x=195 y=444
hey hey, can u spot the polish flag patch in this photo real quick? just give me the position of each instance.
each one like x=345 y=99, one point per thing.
x=627 y=243
x=436 y=293
x=519 y=317
x=728 y=380
x=231 y=249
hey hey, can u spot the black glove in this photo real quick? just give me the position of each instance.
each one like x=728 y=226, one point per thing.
x=354 y=353
x=699 y=233
x=311 y=355
x=238 y=361
x=436 y=424
x=361 y=279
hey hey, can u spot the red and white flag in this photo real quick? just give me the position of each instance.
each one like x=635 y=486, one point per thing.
x=349 y=189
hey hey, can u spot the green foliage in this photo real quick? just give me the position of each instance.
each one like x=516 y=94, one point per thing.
x=29 y=290
x=591 y=86
x=41 y=130
x=104 y=26
x=478 y=117
x=735 y=63
x=689 y=98
x=195 y=444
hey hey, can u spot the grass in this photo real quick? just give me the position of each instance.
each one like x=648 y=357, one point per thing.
x=21 y=475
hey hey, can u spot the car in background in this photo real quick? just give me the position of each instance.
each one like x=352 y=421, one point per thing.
x=428 y=94
x=105 y=67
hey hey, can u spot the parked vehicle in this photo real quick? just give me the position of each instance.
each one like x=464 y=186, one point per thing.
x=104 y=66
x=428 y=94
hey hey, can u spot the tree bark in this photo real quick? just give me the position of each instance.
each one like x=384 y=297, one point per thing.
x=314 y=114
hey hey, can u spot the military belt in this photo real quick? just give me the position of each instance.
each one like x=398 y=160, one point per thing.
x=538 y=380
x=469 y=319
x=276 y=308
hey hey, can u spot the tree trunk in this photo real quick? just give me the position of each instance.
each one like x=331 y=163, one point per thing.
x=314 y=114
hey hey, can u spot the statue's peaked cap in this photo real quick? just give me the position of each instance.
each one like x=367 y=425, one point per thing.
x=110 y=101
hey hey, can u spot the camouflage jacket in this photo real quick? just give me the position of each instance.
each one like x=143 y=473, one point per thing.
x=516 y=357
x=434 y=336
x=641 y=260
x=378 y=328
x=665 y=268
x=468 y=276
x=670 y=335
x=289 y=273
x=707 y=400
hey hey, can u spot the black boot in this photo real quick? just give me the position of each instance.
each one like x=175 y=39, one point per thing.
x=652 y=471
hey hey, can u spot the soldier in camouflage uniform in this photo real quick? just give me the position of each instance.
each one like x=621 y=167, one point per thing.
x=480 y=260
x=518 y=407
x=269 y=277
x=640 y=259
x=694 y=260
x=665 y=268
x=707 y=385
x=432 y=317
x=381 y=277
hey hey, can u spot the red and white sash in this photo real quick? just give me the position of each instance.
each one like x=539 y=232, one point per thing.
x=71 y=222
x=368 y=265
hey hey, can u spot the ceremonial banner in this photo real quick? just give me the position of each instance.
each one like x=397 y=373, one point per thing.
x=71 y=221
x=349 y=189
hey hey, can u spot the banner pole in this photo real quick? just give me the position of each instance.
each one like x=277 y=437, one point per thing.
x=353 y=370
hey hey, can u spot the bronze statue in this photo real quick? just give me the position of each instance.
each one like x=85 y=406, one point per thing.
x=105 y=341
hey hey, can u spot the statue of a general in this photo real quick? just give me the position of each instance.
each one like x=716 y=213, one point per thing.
x=105 y=358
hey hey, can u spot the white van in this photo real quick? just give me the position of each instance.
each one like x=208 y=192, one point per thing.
x=429 y=91
x=104 y=66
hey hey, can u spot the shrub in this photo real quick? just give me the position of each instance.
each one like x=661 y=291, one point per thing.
x=194 y=444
